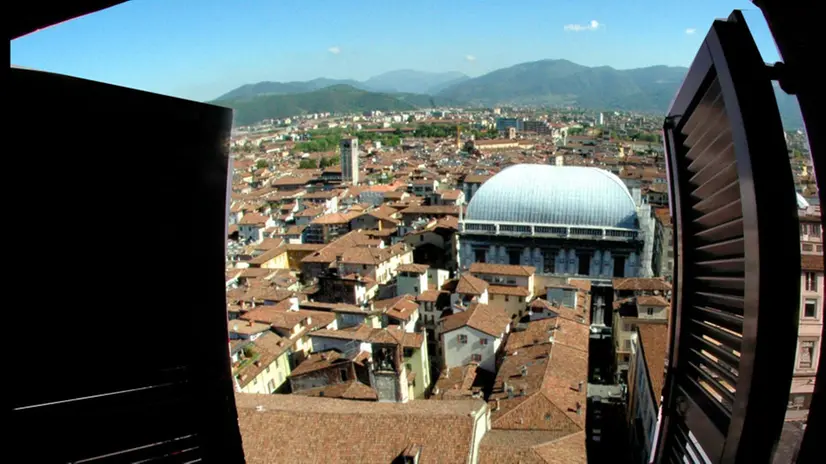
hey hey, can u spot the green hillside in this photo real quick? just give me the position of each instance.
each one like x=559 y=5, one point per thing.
x=334 y=99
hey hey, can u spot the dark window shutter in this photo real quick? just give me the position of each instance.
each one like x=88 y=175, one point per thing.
x=121 y=353
x=737 y=258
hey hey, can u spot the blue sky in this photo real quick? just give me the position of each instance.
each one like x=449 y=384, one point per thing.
x=201 y=49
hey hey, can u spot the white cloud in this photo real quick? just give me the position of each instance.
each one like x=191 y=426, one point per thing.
x=690 y=30
x=334 y=50
x=591 y=26
x=470 y=58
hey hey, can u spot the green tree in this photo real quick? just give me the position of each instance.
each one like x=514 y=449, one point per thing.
x=261 y=164
x=308 y=164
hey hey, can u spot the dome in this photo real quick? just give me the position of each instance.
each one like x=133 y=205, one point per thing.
x=554 y=195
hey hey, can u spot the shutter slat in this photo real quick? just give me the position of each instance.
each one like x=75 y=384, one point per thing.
x=718 y=351
x=710 y=153
x=723 y=318
x=711 y=385
x=723 y=300
x=727 y=339
x=723 y=177
x=721 y=283
x=722 y=266
x=720 y=215
x=703 y=173
x=721 y=197
x=722 y=232
x=729 y=248
x=701 y=120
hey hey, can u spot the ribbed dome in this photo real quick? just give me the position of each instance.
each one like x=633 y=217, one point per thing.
x=557 y=195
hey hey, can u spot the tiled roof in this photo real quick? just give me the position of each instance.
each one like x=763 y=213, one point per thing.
x=455 y=383
x=652 y=300
x=247 y=327
x=655 y=346
x=532 y=447
x=508 y=290
x=352 y=390
x=641 y=283
x=502 y=269
x=317 y=361
x=295 y=428
x=401 y=307
x=811 y=263
x=470 y=285
x=253 y=219
x=482 y=317
x=436 y=210
x=412 y=267
x=286 y=320
x=430 y=295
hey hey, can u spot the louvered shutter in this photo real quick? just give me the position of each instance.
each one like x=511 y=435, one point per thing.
x=737 y=262
x=116 y=309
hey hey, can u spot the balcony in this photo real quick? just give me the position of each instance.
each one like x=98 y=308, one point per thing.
x=524 y=230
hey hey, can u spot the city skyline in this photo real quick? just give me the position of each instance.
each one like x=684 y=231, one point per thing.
x=204 y=51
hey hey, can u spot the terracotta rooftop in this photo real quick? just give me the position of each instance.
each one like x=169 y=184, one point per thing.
x=652 y=300
x=455 y=383
x=318 y=361
x=296 y=428
x=414 y=268
x=470 y=285
x=641 y=283
x=532 y=447
x=352 y=390
x=430 y=295
x=811 y=263
x=655 y=346
x=508 y=290
x=502 y=269
x=482 y=317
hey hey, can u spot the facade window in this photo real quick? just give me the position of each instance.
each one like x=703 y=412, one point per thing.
x=255 y=381
x=521 y=299
x=807 y=247
x=549 y=263
x=803 y=229
x=511 y=281
x=814 y=230
x=416 y=289
x=343 y=374
x=514 y=257
x=476 y=357
x=810 y=308
x=483 y=341
x=421 y=238
x=462 y=339
x=584 y=264
x=650 y=311
x=480 y=256
x=807 y=354
x=267 y=369
x=820 y=248
x=507 y=298
x=811 y=282
x=409 y=367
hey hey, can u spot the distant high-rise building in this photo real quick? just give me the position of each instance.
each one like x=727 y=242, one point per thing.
x=601 y=119
x=350 y=160
x=502 y=124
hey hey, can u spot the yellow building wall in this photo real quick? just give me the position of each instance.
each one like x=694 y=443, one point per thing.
x=513 y=306
x=277 y=372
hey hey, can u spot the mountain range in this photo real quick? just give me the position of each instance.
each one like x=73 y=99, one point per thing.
x=538 y=83
x=403 y=80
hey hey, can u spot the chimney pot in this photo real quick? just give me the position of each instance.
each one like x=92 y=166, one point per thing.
x=580 y=385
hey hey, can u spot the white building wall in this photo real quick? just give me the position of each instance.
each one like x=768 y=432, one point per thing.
x=458 y=354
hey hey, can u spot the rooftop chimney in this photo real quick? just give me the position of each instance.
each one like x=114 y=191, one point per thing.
x=578 y=408
x=496 y=407
x=580 y=385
